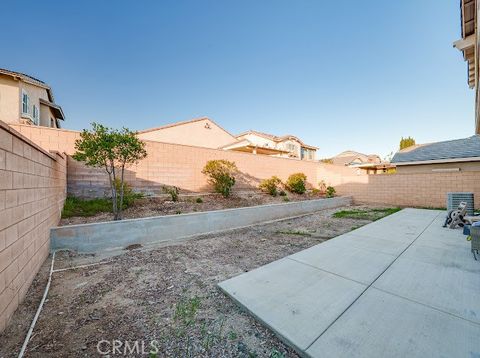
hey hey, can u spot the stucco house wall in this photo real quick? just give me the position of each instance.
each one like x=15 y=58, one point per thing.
x=201 y=133
x=285 y=145
x=262 y=141
x=35 y=93
x=9 y=100
x=259 y=140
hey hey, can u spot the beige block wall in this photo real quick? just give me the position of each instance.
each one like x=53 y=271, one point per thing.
x=166 y=164
x=411 y=189
x=172 y=164
x=32 y=192
x=61 y=140
x=180 y=165
x=193 y=133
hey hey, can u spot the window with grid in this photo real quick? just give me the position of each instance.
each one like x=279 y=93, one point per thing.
x=25 y=103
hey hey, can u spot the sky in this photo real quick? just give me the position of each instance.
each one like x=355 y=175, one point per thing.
x=340 y=75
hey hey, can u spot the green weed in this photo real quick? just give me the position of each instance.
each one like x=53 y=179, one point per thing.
x=365 y=214
x=85 y=207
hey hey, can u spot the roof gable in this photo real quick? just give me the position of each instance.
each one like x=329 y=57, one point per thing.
x=29 y=79
x=185 y=123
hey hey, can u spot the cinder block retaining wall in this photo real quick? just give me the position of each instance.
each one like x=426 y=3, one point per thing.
x=32 y=192
x=119 y=234
x=413 y=189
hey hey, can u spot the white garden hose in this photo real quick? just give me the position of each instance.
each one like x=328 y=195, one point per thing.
x=40 y=307
x=29 y=334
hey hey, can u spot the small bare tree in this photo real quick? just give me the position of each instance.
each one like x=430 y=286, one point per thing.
x=114 y=150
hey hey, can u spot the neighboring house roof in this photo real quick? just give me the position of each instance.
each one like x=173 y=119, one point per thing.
x=28 y=79
x=24 y=77
x=351 y=157
x=185 y=122
x=277 y=138
x=244 y=145
x=464 y=149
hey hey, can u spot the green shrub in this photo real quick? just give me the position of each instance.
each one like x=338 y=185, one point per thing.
x=270 y=186
x=221 y=174
x=129 y=195
x=282 y=193
x=286 y=198
x=114 y=150
x=199 y=200
x=172 y=191
x=316 y=191
x=330 y=192
x=296 y=183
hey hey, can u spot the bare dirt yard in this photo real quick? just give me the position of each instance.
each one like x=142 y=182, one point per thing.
x=155 y=206
x=167 y=297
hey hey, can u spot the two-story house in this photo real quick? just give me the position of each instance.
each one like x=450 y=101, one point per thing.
x=287 y=146
x=27 y=100
x=204 y=132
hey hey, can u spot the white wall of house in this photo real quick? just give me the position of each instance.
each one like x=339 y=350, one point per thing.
x=291 y=145
x=259 y=140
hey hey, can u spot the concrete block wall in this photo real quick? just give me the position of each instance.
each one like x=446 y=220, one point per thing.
x=32 y=192
x=166 y=164
x=411 y=189
x=180 y=165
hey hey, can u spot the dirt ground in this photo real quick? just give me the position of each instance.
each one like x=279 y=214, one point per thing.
x=148 y=207
x=167 y=297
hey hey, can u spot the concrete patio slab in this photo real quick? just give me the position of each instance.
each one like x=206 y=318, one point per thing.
x=433 y=287
x=383 y=325
x=359 y=265
x=395 y=229
x=297 y=301
x=385 y=246
x=401 y=286
x=460 y=257
x=435 y=270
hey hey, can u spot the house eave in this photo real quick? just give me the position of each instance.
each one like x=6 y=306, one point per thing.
x=57 y=110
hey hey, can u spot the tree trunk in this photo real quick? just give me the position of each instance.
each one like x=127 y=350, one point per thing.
x=120 y=208
x=112 y=188
x=115 y=195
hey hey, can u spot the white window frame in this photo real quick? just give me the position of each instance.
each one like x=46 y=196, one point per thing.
x=35 y=115
x=25 y=103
